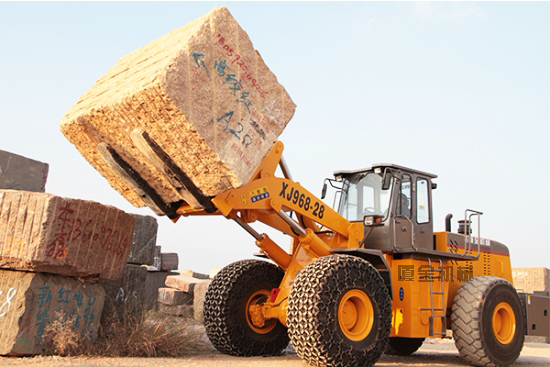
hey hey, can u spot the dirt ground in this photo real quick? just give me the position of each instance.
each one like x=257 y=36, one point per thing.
x=432 y=353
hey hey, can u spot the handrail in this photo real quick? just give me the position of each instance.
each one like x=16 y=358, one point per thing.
x=467 y=223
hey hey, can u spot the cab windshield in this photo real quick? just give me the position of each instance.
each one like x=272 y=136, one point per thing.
x=363 y=195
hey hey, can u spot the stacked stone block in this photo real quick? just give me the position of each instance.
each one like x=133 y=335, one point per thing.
x=144 y=241
x=184 y=295
x=169 y=261
x=45 y=243
x=46 y=233
x=531 y=280
x=21 y=173
x=29 y=302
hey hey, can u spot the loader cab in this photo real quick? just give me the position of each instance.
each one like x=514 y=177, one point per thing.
x=394 y=202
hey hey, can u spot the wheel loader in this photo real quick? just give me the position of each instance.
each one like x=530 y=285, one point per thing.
x=366 y=278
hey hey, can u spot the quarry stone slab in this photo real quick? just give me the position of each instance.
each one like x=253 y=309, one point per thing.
x=154 y=281
x=21 y=173
x=142 y=251
x=171 y=296
x=182 y=282
x=157 y=259
x=169 y=261
x=202 y=93
x=530 y=280
x=198 y=299
x=130 y=286
x=31 y=301
x=45 y=233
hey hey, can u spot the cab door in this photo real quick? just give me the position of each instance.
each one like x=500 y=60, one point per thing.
x=412 y=225
x=403 y=221
x=423 y=213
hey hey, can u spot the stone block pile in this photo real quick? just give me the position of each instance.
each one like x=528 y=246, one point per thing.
x=534 y=281
x=184 y=295
x=129 y=287
x=52 y=249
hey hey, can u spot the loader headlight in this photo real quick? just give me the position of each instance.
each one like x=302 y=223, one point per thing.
x=373 y=220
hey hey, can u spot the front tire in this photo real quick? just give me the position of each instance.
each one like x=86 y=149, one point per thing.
x=488 y=322
x=226 y=310
x=339 y=313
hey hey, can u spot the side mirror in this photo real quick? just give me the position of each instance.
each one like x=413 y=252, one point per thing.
x=386 y=180
x=324 y=191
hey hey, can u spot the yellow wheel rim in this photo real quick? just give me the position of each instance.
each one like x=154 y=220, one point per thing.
x=259 y=298
x=355 y=315
x=504 y=323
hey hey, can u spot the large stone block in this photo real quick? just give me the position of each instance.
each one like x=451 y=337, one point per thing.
x=182 y=282
x=171 y=296
x=128 y=287
x=530 y=280
x=145 y=239
x=154 y=281
x=20 y=173
x=201 y=92
x=157 y=260
x=169 y=261
x=46 y=233
x=198 y=300
x=31 y=301
x=191 y=273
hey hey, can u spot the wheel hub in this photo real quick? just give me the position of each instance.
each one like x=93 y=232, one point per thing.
x=254 y=315
x=504 y=323
x=355 y=315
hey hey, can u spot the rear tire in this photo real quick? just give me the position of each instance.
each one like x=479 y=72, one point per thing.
x=339 y=313
x=226 y=318
x=403 y=346
x=488 y=322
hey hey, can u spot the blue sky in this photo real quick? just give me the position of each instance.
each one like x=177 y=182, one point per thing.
x=460 y=89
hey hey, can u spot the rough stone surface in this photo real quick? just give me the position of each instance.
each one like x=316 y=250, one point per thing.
x=145 y=239
x=169 y=261
x=20 y=173
x=191 y=273
x=198 y=300
x=129 y=288
x=46 y=233
x=30 y=301
x=171 y=296
x=182 y=282
x=201 y=92
x=157 y=259
x=154 y=281
x=530 y=280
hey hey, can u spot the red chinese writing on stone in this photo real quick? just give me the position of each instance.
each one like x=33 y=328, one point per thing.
x=72 y=230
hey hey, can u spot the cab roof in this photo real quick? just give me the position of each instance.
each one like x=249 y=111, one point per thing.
x=382 y=166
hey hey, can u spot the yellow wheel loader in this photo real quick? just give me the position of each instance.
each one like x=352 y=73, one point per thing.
x=367 y=278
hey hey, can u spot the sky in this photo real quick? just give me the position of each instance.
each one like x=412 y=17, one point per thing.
x=457 y=89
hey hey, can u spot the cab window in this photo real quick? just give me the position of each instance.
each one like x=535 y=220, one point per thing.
x=422 y=201
x=404 y=203
x=364 y=196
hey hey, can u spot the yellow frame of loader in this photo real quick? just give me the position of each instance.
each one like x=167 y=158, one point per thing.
x=267 y=199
